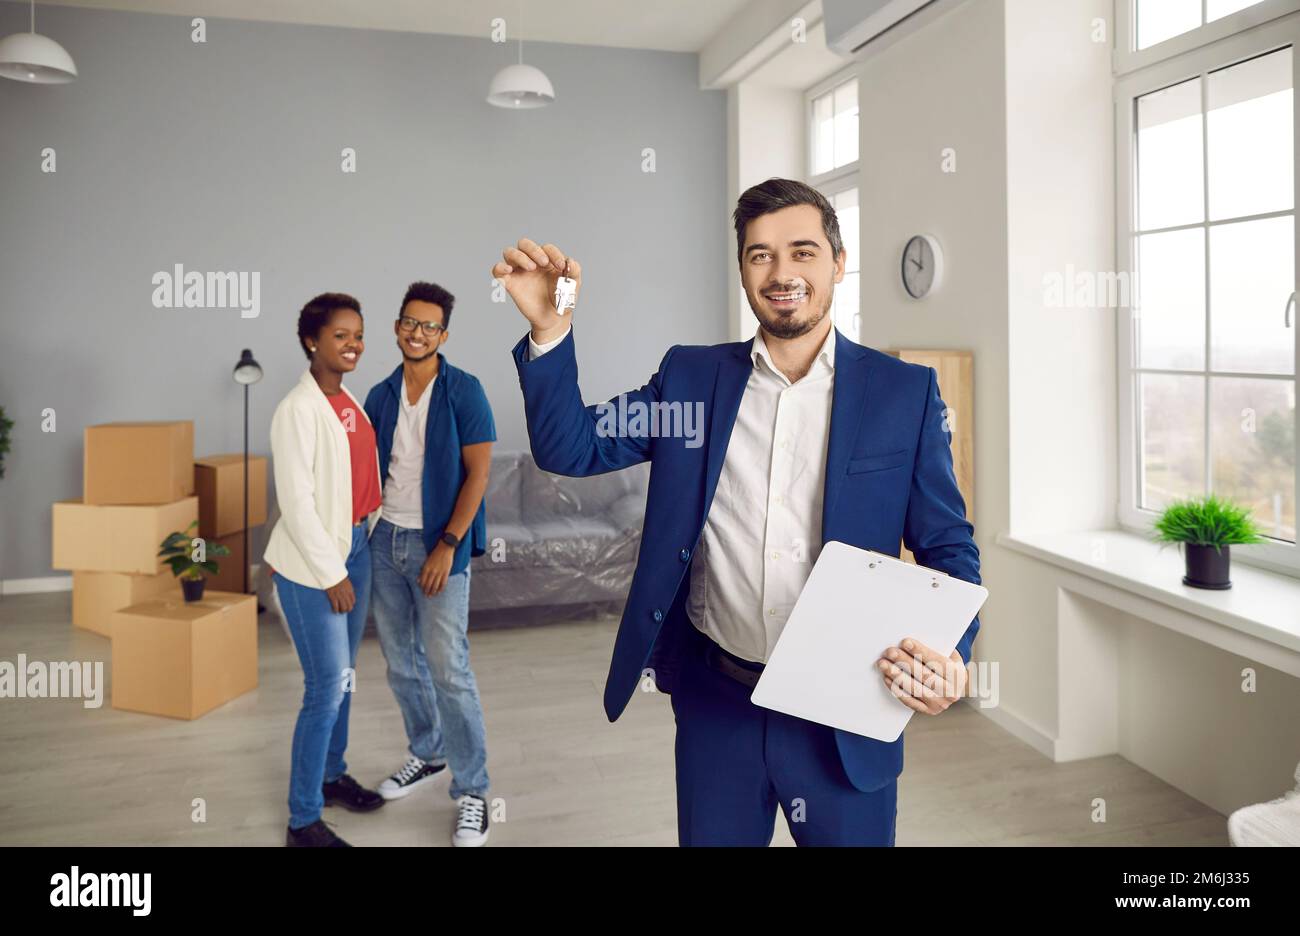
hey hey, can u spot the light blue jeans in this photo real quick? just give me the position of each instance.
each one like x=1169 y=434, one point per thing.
x=426 y=645
x=327 y=649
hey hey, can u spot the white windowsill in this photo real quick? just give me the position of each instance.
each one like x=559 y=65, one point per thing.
x=1262 y=605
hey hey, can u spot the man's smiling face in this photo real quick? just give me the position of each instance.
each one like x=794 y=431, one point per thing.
x=788 y=270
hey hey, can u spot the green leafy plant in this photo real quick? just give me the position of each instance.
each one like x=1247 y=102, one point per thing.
x=178 y=553
x=1207 y=521
x=5 y=425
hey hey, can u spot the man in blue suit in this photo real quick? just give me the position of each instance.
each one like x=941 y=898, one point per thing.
x=810 y=437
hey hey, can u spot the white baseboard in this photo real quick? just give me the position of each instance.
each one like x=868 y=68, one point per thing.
x=1008 y=721
x=62 y=583
x=30 y=586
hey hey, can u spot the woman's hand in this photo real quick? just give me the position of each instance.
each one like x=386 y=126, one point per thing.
x=342 y=598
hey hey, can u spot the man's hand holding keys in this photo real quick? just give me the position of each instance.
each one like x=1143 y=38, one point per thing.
x=529 y=273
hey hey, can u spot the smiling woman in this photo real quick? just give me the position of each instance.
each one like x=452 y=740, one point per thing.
x=327 y=482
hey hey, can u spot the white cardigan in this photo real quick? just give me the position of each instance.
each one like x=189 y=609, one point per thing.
x=313 y=484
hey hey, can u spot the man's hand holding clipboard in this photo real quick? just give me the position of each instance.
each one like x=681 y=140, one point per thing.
x=862 y=611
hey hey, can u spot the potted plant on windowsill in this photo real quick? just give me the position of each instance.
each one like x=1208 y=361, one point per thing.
x=190 y=561
x=1206 y=527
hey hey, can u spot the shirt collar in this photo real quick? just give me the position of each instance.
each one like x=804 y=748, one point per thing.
x=825 y=355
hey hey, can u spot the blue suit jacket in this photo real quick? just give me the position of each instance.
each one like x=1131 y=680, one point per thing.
x=889 y=478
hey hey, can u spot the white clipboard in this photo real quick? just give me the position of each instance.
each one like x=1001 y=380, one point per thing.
x=855 y=605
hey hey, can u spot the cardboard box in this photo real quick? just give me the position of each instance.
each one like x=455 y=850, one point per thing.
x=139 y=462
x=183 y=659
x=219 y=485
x=95 y=538
x=230 y=577
x=96 y=595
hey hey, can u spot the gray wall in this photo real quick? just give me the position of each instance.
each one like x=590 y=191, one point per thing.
x=226 y=156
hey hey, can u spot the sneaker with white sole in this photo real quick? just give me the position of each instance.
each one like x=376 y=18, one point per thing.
x=414 y=773
x=471 y=821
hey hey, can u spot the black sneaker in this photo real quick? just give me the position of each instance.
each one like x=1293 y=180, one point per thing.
x=414 y=773
x=349 y=794
x=316 y=835
x=471 y=821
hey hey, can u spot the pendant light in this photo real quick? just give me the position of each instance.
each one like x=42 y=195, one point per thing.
x=520 y=86
x=35 y=58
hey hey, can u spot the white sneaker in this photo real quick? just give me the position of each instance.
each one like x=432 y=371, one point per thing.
x=471 y=821
x=414 y=773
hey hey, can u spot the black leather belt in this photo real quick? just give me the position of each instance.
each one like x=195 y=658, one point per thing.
x=744 y=672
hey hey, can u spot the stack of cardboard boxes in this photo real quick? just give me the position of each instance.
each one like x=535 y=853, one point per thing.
x=170 y=657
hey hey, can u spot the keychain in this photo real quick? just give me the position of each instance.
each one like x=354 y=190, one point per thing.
x=566 y=290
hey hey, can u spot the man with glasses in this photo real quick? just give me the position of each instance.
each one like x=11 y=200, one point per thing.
x=435 y=432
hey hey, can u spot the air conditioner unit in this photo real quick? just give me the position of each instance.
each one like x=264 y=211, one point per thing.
x=860 y=27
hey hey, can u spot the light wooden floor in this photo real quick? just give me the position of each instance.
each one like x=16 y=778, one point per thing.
x=71 y=775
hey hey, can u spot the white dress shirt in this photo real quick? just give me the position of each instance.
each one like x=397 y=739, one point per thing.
x=404 y=488
x=763 y=531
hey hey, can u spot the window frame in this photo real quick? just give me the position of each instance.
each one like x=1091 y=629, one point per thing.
x=1128 y=58
x=844 y=177
x=1200 y=59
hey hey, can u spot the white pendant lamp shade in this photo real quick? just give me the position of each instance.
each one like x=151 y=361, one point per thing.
x=35 y=58
x=520 y=86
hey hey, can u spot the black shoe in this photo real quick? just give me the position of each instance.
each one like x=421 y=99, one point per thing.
x=471 y=822
x=349 y=794
x=412 y=775
x=316 y=835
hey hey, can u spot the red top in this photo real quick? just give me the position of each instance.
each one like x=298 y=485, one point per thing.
x=366 y=493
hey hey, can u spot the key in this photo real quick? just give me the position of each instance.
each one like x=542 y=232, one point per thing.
x=566 y=289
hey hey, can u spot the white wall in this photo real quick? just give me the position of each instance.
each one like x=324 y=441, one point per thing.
x=1022 y=93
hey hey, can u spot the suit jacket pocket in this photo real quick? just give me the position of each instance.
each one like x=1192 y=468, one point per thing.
x=878 y=462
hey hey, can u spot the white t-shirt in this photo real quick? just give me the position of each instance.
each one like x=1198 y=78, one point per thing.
x=403 y=488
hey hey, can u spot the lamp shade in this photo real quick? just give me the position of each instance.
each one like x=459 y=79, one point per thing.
x=247 y=371
x=520 y=86
x=32 y=57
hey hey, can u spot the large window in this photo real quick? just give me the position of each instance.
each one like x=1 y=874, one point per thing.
x=832 y=110
x=1208 y=227
x=1158 y=20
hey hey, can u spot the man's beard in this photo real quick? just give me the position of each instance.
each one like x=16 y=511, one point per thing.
x=788 y=326
x=416 y=360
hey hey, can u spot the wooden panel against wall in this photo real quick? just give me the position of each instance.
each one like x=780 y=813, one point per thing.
x=957 y=388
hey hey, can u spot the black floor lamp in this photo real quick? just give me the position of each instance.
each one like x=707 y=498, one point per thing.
x=247 y=372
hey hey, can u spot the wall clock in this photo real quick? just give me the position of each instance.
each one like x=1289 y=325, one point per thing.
x=922 y=266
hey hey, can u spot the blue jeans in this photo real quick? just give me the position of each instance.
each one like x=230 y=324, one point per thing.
x=425 y=643
x=327 y=647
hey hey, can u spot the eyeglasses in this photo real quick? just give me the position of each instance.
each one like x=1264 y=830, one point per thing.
x=406 y=323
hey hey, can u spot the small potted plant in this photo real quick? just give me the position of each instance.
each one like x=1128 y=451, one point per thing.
x=179 y=552
x=1206 y=527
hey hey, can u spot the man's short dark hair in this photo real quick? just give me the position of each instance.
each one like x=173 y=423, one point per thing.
x=315 y=315
x=775 y=194
x=429 y=292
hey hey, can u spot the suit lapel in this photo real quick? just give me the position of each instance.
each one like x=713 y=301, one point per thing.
x=848 y=401
x=728 y=388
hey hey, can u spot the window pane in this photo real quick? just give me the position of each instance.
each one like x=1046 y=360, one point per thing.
x=846 y=123
x=1252 y=273
x=1170 y=180
x=823 y=134
x=1173 y=437
x=1170 y=311
x=1250 y=139
x=844 y=308
x=1217 y=9
x=846 y=210
x=1158 y=20
x=1252 y=433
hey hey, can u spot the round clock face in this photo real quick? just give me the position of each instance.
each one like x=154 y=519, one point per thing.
x=922 y=266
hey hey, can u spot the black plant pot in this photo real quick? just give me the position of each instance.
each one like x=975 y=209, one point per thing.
x=1207 y=567
x=193 y=588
